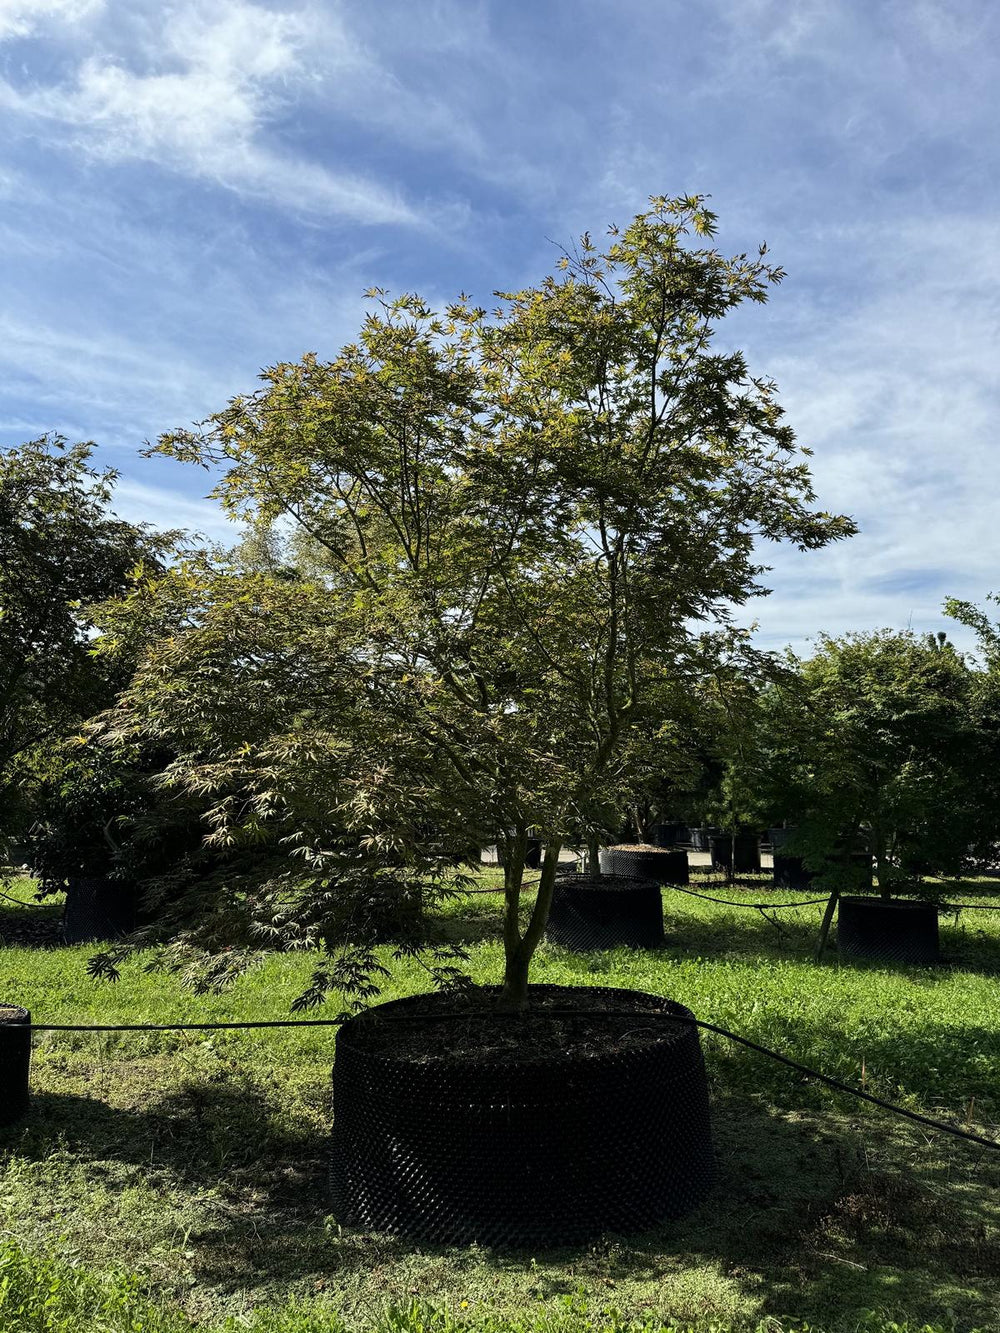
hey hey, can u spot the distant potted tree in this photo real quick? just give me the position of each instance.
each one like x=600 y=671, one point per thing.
x=876 y=740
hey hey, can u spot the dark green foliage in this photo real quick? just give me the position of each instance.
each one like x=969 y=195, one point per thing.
x=61 y=551
x=870 y=745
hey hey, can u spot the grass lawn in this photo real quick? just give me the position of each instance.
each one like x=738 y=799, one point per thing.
x=165 y=1179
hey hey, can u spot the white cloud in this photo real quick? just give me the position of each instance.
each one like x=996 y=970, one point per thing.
x=214 y=77
x=895 y=388
x=166 y=508
x=21 y=18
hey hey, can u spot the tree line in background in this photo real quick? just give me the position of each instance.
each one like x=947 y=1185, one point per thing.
x=483 y=594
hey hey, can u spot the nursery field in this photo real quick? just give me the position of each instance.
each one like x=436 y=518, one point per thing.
x=164 y=1181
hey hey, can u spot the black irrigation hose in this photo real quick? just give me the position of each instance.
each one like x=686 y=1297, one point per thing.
x=942 y=1125
x=17 y=901
x=677 y=888
x=727 y=902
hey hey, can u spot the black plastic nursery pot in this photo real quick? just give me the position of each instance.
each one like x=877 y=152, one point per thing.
x=739 y=855
x=98 y=908
x=605 y=912
x=664 y=865
x=790 y=872
x=669 y=835
x=701 y=838
x=15 y=1061
x=532 y=854
x=777 y=837
x=894 y=930
x=588 y=1113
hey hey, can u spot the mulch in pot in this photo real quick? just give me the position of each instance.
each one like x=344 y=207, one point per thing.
x=453 y=1123
x=605 y=912
x=643 y=860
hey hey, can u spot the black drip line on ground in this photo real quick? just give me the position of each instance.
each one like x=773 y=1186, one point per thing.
x=677 y=888
x=636 y=1016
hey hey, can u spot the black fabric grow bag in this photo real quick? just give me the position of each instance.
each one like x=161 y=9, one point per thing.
x=739 y=855
x=893 y=931
x=663 y=865
x=605 y=912
x=98 y=908
x=515 y=1150
x=15 y=1061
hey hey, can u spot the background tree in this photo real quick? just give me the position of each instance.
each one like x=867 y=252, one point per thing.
x=510 y=525
x=62 y=549
x=874 y=736
x=984 y=702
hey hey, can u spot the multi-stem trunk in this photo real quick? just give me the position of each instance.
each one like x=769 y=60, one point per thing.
x=519 y=948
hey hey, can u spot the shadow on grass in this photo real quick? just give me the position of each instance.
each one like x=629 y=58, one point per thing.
x=30 y=927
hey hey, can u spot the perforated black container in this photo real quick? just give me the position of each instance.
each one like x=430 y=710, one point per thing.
x=669 y=835
x=605 y=912
x=98 y=908
x=790 y=872
x=701 y=837
x=15 y=1062
x=519 y=1150
x=740 y=855
x=778 y=837
x=664 y=865
x=893 y=931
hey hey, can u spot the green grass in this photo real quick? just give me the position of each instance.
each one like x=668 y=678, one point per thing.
x=52 y=1296
x=194 y=1164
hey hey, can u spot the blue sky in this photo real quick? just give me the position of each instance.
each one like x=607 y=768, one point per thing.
x=190 y=191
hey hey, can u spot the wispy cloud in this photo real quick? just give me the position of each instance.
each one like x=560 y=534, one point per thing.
x=166 y=508
x=22 y=18
x=199 y=94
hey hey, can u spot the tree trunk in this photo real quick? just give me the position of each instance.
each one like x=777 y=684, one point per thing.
x=519 y=949
x=593 y=857
x=824 y=929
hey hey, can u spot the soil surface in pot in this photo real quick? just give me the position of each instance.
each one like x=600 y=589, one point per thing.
x=573 y=1022
x=10 y=1012
x=638 y=847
